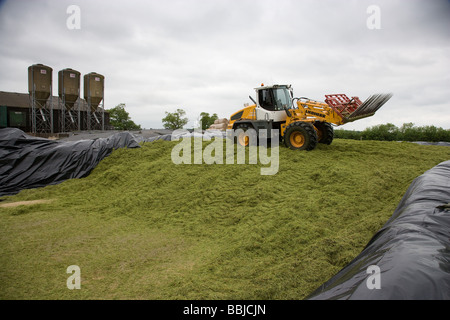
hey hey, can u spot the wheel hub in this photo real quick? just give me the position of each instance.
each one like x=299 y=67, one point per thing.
x=243 y=139
x=297 y=139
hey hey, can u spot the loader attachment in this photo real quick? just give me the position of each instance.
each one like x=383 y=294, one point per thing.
x=353 y=109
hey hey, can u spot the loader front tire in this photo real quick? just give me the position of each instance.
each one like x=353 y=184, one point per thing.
x=300 y=136
x=325 y=132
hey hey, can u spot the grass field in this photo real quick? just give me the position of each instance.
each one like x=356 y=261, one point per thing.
x=141 y=227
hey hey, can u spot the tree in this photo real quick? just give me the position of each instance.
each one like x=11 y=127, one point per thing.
x=409 y=132
x=389 y=132
x=207 y=120
x=175 y=120
x=386 y=132
x=120 y=119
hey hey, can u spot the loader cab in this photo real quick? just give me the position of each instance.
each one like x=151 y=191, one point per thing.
x=272 y=102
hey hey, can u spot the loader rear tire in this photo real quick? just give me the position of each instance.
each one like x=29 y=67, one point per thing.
x=242 y=136
x=300 y=136
x=325 y=132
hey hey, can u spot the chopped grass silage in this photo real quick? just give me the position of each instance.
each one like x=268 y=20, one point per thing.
x=141 y=227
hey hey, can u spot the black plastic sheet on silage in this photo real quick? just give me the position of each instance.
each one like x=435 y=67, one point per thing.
x=30 y=162
x=412 y=250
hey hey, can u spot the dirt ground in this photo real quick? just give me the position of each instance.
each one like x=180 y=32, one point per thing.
x=24 y=203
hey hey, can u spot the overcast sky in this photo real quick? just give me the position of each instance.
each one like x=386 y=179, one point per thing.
x=209 y=55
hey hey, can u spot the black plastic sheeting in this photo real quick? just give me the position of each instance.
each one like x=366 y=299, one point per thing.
x=440 y=143
x=412 y=250
x=30 y=162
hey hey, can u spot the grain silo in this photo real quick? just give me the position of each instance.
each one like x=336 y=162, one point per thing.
x=94 y=96
x=69 y=92
x=40 y=92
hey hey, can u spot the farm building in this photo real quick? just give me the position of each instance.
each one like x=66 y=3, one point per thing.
x=15 y=111
x=40 y=112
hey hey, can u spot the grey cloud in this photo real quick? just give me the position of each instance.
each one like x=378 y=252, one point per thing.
x=209 y=55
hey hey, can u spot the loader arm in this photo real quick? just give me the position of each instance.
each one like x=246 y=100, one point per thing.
x=338 y=109
x=311 y=110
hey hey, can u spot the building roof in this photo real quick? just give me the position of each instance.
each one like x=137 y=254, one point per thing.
x=22 y=100
x=14 y=99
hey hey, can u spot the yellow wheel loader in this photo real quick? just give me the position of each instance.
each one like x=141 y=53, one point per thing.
x=302 y=122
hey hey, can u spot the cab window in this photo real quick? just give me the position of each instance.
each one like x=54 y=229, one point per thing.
x=274 y=99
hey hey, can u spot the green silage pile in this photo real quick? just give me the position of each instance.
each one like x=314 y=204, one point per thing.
x=141 y=227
